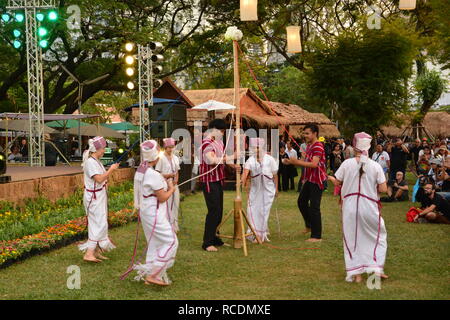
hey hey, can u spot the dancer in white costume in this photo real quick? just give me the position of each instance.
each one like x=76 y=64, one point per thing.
x=262 y=169
x=365 y=234
x=96 y=201
x=169 y=166
x=151 y=192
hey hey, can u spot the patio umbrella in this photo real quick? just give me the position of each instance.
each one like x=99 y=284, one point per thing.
x=213 y=105
x=21 y=125
x=121 y=126
x=94 y=130
x=65 y=123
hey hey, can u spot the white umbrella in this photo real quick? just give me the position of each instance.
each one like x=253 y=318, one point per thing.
x=21 y=125
x=213 y=105
x=93 y=130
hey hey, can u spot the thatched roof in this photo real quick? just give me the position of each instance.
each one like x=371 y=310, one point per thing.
x=297 y=115
x=253 y=109
x=325 y=130
x=436 y=123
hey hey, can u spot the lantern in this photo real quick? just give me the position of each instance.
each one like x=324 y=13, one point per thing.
x=249 y=10
x=293 y=39
x=407 y=4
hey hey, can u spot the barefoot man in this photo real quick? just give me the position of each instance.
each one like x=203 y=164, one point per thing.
x=212 y=175
x=365 y=242
x=313 y=182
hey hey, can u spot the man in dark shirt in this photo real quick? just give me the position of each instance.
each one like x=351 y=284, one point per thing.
x=414 y=151
x=397 y=189
x=398 y=154
x=51 y=154
x=437 y=209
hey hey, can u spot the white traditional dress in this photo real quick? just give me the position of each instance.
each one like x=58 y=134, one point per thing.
x=364 y=231
x=162 y=242
x=96 y=206
x=262 y=193
x=171 y=166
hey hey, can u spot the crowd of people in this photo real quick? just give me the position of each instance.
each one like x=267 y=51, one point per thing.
x=428 y=161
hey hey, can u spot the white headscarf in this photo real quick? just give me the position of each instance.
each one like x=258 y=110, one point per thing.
x=361 y=143
x=149 y=152
x=94 y=145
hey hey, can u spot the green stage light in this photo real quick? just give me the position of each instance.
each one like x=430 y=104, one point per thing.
x=17 y=44
x=43 y=43
x=40 y=17
x=53 y=16
x=42 y=32
x=20 y=17
x=17 y=33
x=6 y=17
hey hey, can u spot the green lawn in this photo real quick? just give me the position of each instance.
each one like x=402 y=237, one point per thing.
x=417 y=263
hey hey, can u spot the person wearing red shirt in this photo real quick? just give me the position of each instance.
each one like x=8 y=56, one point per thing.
x=313 y=182
x=212 y=176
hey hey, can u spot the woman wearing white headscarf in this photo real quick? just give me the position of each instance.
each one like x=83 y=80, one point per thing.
x=96 y=201
x=262 y=169
x=364 y=231
x=151 y=192
x=169 y=166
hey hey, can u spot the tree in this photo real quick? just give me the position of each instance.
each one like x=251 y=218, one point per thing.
x=364 y=76
x=95 y=49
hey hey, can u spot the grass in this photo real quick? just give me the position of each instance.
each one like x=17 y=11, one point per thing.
x=417 y=263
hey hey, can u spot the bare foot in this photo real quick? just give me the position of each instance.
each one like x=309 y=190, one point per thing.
x=383 y=276
x=211 y=249
x=307 y=230
x=91 y=259
x=226 y=245
x=99 y=256
x=313 y=240
x=149 y=280
x=357 y=278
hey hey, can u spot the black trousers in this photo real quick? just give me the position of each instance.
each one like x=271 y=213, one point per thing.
x=291 y=183
x=283 y=182
x=214 y=203
x=309 y=205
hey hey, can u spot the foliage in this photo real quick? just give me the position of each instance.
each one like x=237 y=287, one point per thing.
x=36 y=215
x=364 y=76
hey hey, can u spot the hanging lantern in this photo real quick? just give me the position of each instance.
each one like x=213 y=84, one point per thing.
x=407 y=4
x=249 y=10
x=293 y=39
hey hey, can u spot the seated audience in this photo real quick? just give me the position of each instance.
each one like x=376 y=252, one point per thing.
x=436 y=209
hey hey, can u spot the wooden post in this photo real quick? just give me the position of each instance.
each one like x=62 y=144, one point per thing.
x=238 y=223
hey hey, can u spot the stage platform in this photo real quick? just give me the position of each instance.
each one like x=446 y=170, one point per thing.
x=21 y=173
x=50 y=182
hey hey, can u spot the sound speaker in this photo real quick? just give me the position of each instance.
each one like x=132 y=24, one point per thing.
x=167 y=112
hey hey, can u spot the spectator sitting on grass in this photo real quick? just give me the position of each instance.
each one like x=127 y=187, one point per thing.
x=435 y=208
x=436 y=166
x=397 y=189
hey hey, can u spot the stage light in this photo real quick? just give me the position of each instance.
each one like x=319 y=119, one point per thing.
x=52 y=15
x=129 y=60
x=293 y=39
x=1 y=157
x=129 y=46
x=6 y=17
x=130 y=72
x=156 y=46
x=130 y=85
x=43 y=43
x=40 y=17
x=157 y=69
x=17 y=33
x=17 y=44
x=157 y=57
x=157 y=83
x=42 y=32
x=19 y=17
x=121 y=151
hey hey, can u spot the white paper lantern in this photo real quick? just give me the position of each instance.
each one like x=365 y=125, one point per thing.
x=294 y=44
x=407 y=4
x=249 y=10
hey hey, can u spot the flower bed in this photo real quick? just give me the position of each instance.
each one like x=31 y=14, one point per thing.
x=56 y=236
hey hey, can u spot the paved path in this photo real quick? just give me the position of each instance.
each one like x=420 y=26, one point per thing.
x=20 y=173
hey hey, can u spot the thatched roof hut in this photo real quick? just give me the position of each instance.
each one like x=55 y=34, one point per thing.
x=259 y=113
x=253 y=109
x=436 y=123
